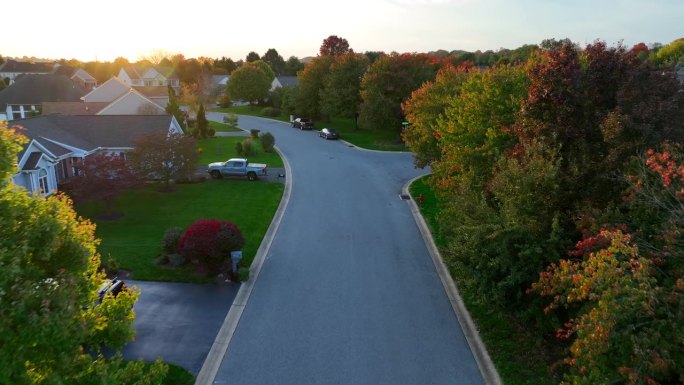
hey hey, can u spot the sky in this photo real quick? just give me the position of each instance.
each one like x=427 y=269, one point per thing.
x=98 y=30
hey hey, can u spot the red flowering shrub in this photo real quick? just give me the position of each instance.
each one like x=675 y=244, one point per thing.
x=209 y=242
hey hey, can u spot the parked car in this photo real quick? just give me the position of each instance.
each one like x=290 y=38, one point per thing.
x=237 y=167
x=303 y=123
x=328 y=133
x=113 y=286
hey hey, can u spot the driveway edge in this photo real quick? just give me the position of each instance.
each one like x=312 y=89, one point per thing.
x=484 y=362
x=212 y=363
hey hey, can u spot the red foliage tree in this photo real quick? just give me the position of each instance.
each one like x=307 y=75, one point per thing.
x=101 y=177
x=334 y=46
x=209 y=242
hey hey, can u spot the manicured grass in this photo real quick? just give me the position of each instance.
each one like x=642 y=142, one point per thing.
x=222 y=127
x=134 y=240
x=372 y=140
x=517 y=353
x=220 y=149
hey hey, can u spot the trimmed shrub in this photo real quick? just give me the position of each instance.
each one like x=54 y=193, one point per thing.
x=211 y=132
x=231 y=120
x=267 y=141
x=254 y=133
x=224 y=101
x=176 y=260
x=248 y=148
x=171 y=238
x=208 y=242
x=238 y=148
x=270 y=111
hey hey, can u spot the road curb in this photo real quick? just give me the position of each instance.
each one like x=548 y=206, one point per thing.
x=376 y=151
x=212 y=363
x=484 y=362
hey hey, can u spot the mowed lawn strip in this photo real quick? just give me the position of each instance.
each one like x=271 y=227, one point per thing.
x=219 y=149
x=386 y=140
x=134 y=240
x=222 y=127
x=517 y=353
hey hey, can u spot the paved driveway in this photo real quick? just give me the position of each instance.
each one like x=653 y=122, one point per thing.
x=348 y=293
x=178 y=321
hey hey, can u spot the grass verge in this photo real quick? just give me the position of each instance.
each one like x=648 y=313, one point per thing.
x=372 y=140
x=222 y=127
x=134 y=240
x=218 y=149
x=516 y=351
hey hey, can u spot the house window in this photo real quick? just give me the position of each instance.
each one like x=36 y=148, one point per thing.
x=43 y=181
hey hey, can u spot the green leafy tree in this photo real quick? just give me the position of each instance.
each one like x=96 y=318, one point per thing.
x=671 y=54
x=341 y=96
x=292 y=66
x=164 y=157
x=265 y=68
x=3 y=85
x=202 y=125
x=389 y=82
x=48 y=285
x=275 y=61
x=425 y=108
x=252 y=56
x=174 y=109
x=250 y=83
x=311 y=81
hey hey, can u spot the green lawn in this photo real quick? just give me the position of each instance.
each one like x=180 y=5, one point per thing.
x=222 y=127
x=372 y=140
x=134 y=240
x=516 y=351
x=219 y=149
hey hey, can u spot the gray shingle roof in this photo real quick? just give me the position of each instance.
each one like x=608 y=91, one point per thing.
x=32 y=161
x=36 y=89
x=152 y=91
x=91 y=132
x=26 y=67
x=288 y=81
x=73 y=108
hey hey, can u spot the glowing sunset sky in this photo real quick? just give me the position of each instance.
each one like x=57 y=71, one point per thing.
x=89 y=30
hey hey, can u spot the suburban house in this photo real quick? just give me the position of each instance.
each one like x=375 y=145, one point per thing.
x=115 y=88
x=149 y=76
x=85 y=79
x=218 y=85
x=12 y=69
x=58 y=142
x=284 y=81
x=26 y=96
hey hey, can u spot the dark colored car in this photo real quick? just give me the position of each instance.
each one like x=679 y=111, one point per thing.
x=303 y=123
x=113 y=286
x=328 y=133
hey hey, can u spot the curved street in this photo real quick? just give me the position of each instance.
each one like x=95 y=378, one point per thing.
x=348 y=293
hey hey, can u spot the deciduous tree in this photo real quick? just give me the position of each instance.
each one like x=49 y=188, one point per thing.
x=341 y=93
x=250 y=83
x=165 y=157
x=311 y=81
x=334 y=46
x=48 y=287
x=275 y=61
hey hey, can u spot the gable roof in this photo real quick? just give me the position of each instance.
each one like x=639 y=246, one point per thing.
x=91 y=132
x=26 y=67
x=167 y=72
x=36 y=89
x=73 y=108
x=121 y=107
x=108 y=91
x=152 y=91
x=131 y=72
x=220 y=79
x=288 y=81
x=82 y=74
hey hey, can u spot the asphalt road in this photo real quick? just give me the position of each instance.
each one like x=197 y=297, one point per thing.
x=178 y=321
x=348 y=293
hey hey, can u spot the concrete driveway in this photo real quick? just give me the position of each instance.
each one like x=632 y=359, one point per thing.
x=348 y=293
x=178 y=321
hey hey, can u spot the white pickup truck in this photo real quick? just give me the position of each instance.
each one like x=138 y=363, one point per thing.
x=237 y=167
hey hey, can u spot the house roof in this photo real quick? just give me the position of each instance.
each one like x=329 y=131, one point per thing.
x=73 y=108
x=152 y=91
x=220 y=79
x=32 y=162
x=83 y=74
x=131 y=72
x=90 y=132
x=36 y=89
x=168 y=72
x=288 y=81
x=26 y=67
